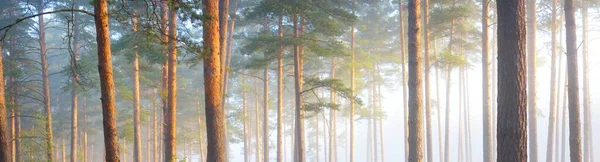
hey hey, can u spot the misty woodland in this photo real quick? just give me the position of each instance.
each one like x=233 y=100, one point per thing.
x=299 y=80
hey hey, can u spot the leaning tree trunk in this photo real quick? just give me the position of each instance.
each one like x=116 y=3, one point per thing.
x=45 y=84
x=512 y=114
x=107 y=85
x=485 y=63
x=171 y=110
x=415 y=76
x=136 y=98
x=572 y=73
x=215 y=116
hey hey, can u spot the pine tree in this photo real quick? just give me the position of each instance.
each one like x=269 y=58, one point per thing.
x=512 y=116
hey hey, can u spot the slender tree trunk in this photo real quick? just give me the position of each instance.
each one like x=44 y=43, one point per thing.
x=425 y=12
x=17 y=119
x=512 y=133
x=4 y=134
x=171 y=110
x=155 y=128
x=245 y=121
x=485 y=63
x=461 y=111
x=562 y=114
x=531 y=79
x=380 y=112
x=574 y=116
x=317 y=138
x=74 y=94
x=298 y=67
x=280 y=126
x=223 y=56
x=415 y=118
x=45 y=83
x=404 y=84
x=63 y=151
x=439 y=115
x=266 y=114
x=552 y=106
x=352 y=88
x=136 y=98
x=332 y=118
x=564 y=121
x=107 y=85
x=587 y=122
x=256 y=122
x=85 y=132
x=215 y=116
x=447 y=122
x=165 y=75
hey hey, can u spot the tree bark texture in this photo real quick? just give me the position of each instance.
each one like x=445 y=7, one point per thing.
x=512 y=88
x=415 y=81
x=107 y=85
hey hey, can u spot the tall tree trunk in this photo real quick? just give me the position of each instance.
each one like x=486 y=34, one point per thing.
x=5 y=141
x=404 y=84
x=74 y=93
x=352 y=88
x=17 y=120
x=485 y=63
x=215 y=116
x=63 y=151
x=587 y=122
x=564 y=121
x=512 y=115
x=85 y=131
x=171 y=110
x=332 y=118
x=107 y=85
x=165 y=74
x=317 y=137
x=256 y=122
x=45 y=83
x=415 y=76
x=223 y=56
x=531 y=79
x=136 y=98
x=379 y=113
x=245 y=121
x=280 y=126
x=562 y=113
x=552 y=106
x=155 y=128
x=425 y=11
x=447 y=121
x=437 y=98
x=298 y=67
x=266 y=113
x=574 y=116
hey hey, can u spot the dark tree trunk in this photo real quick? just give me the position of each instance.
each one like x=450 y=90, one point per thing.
x=512 y=88
x=107 y=85
x=573 y=90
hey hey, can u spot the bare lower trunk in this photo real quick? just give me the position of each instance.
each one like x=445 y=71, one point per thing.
x=512 y=99
x=587 y=122
x=300 y=152
x=215 y=116
x=107 y=85
x=352 y=77
x=245 y=122
x=552 y=106
x=531 y=80
x=404 y=84
x=573 y=91
x=171 y=110
x=486 y=101
x=280 y=126
x=5 y=141
x=136 y=99
x=447 y=121
x=415 y=76
x=332 y=118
